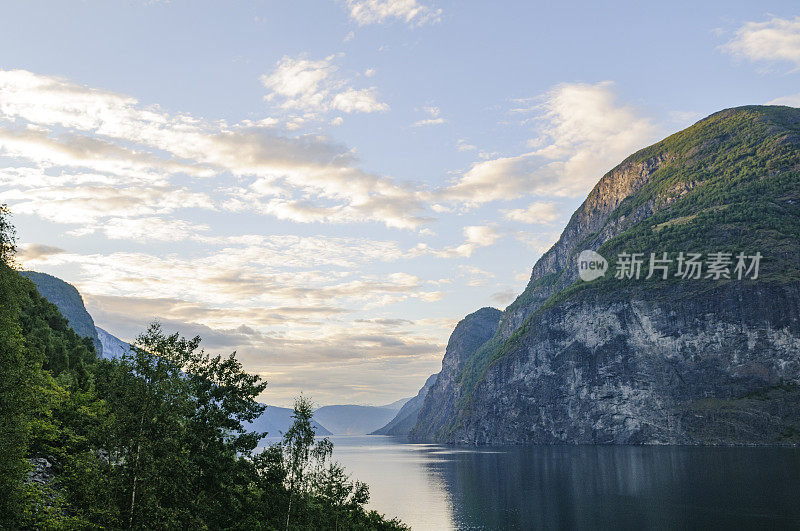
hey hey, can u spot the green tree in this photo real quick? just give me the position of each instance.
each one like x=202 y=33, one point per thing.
x=17 y=383
x=301 y=452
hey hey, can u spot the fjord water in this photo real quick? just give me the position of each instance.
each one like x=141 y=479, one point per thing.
x=576 y=487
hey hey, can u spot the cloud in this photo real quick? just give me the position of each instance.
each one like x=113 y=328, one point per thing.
x=315 y=86
x=774 y=41
x=792 y=100
x=362 y=100
x=34 y=251
x=537 y=212
x=365 y=12
x=435 y=118
x=502 y=298
x=90 y=152
x=326 y=361
x=583 y=133
x=464 y=145
x=475 y=237
x=145 y=229
x=540 y=242
x=428 y=121
x=475 y=276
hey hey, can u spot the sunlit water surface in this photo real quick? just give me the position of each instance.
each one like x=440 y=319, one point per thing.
x=583 y=487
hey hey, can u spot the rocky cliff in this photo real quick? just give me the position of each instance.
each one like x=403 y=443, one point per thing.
x=442 y=400
x=69 y=303
x=675 y=360
x=113 y=347
x=406 y=418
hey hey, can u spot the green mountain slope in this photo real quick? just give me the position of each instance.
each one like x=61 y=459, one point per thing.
x=69 y=303
x=626 y=360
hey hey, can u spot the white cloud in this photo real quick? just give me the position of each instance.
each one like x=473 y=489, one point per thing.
x=67 y=132
x=502 y=298
x=145 y=229
x=365 y=12
x=774 y=41
x=536 y=212
x=475 y=276
x=464 y=145
x=791 y=101
x=315 y=86
x=434 y=117
x=303 y=83
x=428 y=121
x=475 y=237
x=539 y=242
x=362 y=100
x=584 y=133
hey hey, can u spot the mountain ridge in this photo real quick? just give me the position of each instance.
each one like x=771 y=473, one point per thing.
x=727 y=183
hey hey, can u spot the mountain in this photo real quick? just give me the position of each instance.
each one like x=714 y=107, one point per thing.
x=406 y=418
x=69 y=303
x=277 y=420
x=397 y=404
x=113 y=347
x=353 y=420
x=651 y=361
x=442 y=399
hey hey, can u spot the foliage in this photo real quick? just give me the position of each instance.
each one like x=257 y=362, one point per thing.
x=153 y=440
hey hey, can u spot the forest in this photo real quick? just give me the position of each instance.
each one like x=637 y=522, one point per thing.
x=154 y=439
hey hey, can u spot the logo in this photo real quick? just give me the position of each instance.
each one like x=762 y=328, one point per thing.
x=591 y=266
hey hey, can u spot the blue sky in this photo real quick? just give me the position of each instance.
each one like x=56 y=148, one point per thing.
x=327 y=187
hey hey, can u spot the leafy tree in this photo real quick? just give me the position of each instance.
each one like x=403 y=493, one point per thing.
x=155 y=439
x=17 y=384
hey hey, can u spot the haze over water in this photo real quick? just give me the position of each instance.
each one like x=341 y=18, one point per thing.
x=584 y=487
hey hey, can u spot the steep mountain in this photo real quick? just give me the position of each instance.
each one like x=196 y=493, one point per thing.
x=653 y=361
x=113 y=347
x=442 y=400
x=406 y=418
x=69 y=303
x=397 y=404
x=277 y=420
x=353 y=420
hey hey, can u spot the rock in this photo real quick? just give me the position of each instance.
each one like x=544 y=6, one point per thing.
x=650 y=362
x=42 y=471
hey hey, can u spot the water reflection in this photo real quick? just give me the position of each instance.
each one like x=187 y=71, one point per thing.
x=585 y=487
x=623 y=487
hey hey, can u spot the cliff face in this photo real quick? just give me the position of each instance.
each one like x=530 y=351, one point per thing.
x=69 y=303
x=652 y=361
x=441 y=402
x=406 y=418
x=113 y=347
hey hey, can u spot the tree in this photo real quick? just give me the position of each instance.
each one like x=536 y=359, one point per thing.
x=300 y=451
x=18 y=374
x=8 y=236
x=17 y=382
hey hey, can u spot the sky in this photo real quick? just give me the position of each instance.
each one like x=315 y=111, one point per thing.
x=328 y=186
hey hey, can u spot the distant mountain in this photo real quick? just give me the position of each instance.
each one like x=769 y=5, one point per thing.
x=69 y=303
x=277 y=420
x=113 y=347
x=397 y=404
x=354 y=420
x=406 y=418
x=688 y=356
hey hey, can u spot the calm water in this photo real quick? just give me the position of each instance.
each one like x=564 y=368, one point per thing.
x=436 y=487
